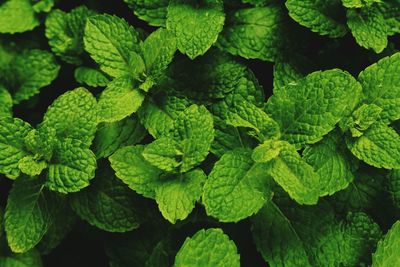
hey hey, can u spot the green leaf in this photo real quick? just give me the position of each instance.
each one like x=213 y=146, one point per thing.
x=254 y=33
x=130 y=166
x=153 y=12
x=41 y=142
x=6 y=103
x=17 y=16
x=43 y=5
x=119 y=100
x=294 y=175
x=386 y=253
x=236 y=188
x=108 y=204
x=331 y=162
x=267 y=151
x=324 y=17
x=112 y=43
x=379 y=146
x=176 y=197
x=359 y=3
x=163 y=153
x=276 y=239
x=194 y=132
x=33 y=70
x=30 y=166
x=368 y=27
x=112 y=136
x=90 y=77
x=28 y=259
x=73 y=115
x=28 y=214
x=361 y=119
x=71 y=168
x=12 y=145
x=310 y=108
x=394 y=186
x=382 y=75
x=208 y=248
x=195 y=25
x=65 y=33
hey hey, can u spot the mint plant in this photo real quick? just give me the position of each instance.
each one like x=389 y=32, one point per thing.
x=199 y=133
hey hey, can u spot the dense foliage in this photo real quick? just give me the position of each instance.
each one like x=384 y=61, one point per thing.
x=203 y=133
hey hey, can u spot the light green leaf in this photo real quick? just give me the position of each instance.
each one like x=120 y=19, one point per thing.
x=6 y=103
x=65 y=33
x=163 y=153
x=310 y=108
x=195 y=25
x=91 y=77
x=12 y=145
x=236 y=188
x=382 y=75
x=295 y=176
x=30 y=166
x=368 y=27
x=177 y=196
x=73 y=115
x=208 y=248
x=28 y=214
x=321 y=16
x=361 y=119
x=71 y=168
x=119 y=100
x=359 y=3
x=331 y=162
x=112 y=43
x=130 y=166
x=108 y=204
x=379 y=146
x=112 y=136
x=254 y=33
x=33 y=70
x=43 y=5
x=267 y=151
x=17 y=16
x=194 y=132
x=153 y=12
x=387 y=252
x=41 y=142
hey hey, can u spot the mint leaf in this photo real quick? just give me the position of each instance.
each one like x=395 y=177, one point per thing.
x=90 y=77
x=71 y=168
x=208 y=248
x=233 y=179
x=386 y=252
x=176 y=197
x=28 y=214
x=112 y=43
x=28 y=259
x=135 y=171
x=6 y=103
x=163 y=153
x=108 y=204
x=12 y=145
x=153 y=12
x=73 y=115
x=65 y=33
x=119 y=100
x=195 y=25
x=17 y=16
x=394 y=186
x=311 y=107
x=31 y=167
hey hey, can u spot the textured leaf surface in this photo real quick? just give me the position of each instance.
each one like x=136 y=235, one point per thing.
x=6 y=103
x=33 y=69
x=135 y=171
x=153 y=12
x=119 y=100
x=65 y=33
x=73 y=115
x=321 y=16
x=236 y=187
x=176 y=197
x=368 y=27
x=28 y=259
x=381 y=75
x=387 y=253
x=208 y=248
x=71 y=168
x=394 y=186
x=12 y=145
x=310 y=108
x=112 y=43
x=379 y=147
x=17 y=16
x=107 y=204
x=27 y=216
x=254 y=33
x=163 y=153
x=195 y=25
x=90 y=77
